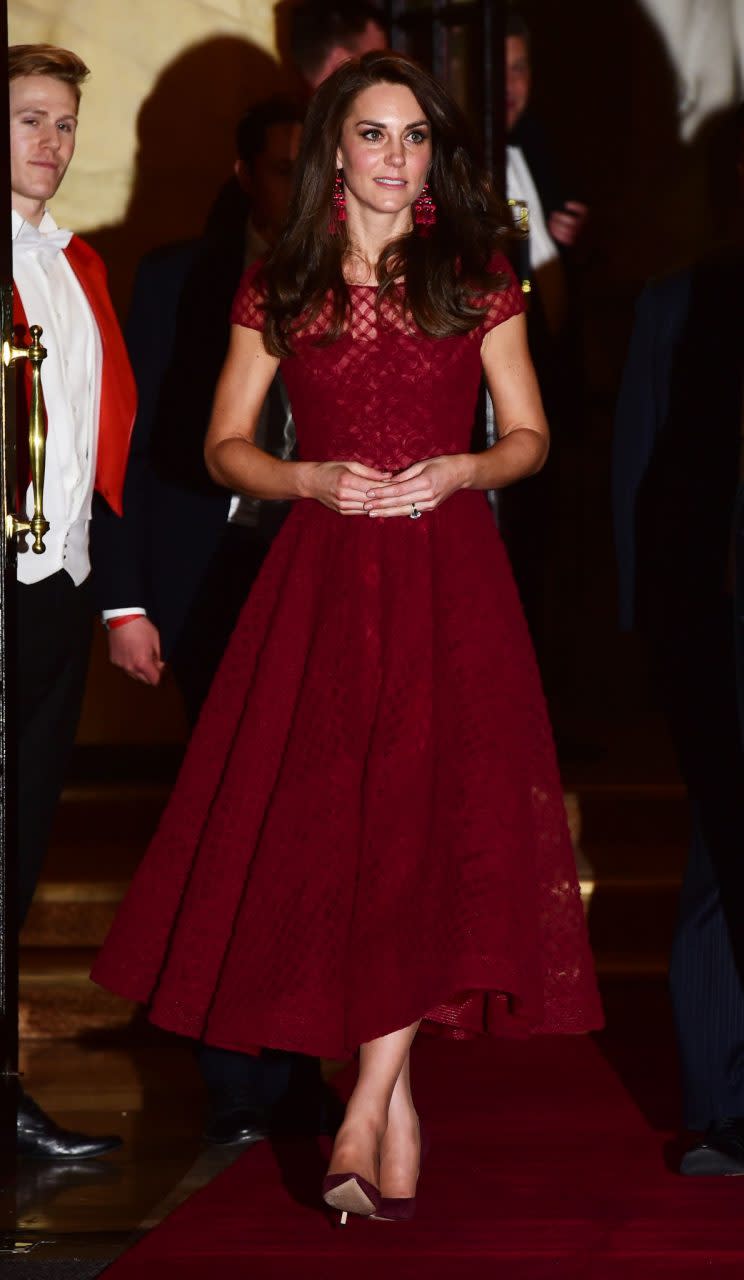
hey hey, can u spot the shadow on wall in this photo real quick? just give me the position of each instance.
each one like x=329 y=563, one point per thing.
x=604 y=92
x=185 y=152
x=185 y=134
x=607 y=91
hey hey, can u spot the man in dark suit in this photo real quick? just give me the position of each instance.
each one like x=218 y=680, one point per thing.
x=675 y=474
x=739 y=591
x=528 y=510
x=565 y=218
x=166 y=572
x=173 y=573
x=322 y=35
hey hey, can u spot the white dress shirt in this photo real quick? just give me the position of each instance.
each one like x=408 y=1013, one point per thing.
x=546 y=268
x=71 y=380
x=520 y=186
x=705 y=42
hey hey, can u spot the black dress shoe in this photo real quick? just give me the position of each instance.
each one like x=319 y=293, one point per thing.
x=239 y=1126
x=720 y=1153
x=39 y=1138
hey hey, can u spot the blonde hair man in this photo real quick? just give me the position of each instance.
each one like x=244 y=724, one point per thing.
x=59 y=282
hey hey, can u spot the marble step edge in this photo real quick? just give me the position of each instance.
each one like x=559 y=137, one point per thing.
x=86 y=792
x=64 y=1004
x=58 y=1001
x=46 y=965
x=83 y=892
x=631 y=884
x=71 y=969
x=80 y=892
x=72 y=917
x=93 y=792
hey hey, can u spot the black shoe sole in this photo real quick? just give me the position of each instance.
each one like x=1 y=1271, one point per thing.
x=707 y=1162
x=45 y=1157
x=235 y=1140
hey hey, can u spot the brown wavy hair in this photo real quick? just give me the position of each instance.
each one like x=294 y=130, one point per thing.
x=446 y=272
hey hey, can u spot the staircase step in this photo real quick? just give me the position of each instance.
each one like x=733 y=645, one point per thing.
x=99 y=838
x=630 y=844
x=99 y=816
x=635 y=831
x=72 y=915
x=58 y=999
x=652 y=964
x=632 y=917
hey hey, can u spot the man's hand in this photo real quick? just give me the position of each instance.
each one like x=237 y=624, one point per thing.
x=566 y=225
x=135 y=648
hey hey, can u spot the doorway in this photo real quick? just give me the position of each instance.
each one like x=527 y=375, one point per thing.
x=463 y=44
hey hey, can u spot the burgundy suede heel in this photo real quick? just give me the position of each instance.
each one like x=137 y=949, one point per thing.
x=401 y=1208
x=395 y=1210
x=350 y=1193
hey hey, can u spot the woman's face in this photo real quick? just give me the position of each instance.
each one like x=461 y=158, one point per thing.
x=385 y=148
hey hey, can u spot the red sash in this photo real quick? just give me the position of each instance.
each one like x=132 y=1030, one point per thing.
x=118 y=391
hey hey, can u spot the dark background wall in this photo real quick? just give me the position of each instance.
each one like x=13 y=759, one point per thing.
x=604 y=90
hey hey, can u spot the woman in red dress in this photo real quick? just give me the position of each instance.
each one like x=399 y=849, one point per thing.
x=368 y=831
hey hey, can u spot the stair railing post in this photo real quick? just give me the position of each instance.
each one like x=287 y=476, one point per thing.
x=8 y=729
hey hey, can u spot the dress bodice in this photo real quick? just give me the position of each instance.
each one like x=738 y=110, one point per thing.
x=385 y=393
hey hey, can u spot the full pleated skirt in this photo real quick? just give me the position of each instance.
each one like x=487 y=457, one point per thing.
x=368 y=827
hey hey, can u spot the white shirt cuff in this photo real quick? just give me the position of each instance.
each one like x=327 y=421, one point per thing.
x=122 y=613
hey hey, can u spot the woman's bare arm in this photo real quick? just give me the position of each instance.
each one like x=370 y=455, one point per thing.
x=520 y=450
x=231 y=456
x=524 y=439
x=234 y=460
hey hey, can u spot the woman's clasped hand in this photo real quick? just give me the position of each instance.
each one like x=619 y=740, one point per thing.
x=351 y=488
x=424 y=485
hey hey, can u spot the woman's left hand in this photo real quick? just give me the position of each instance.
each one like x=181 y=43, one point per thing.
x=424 y=485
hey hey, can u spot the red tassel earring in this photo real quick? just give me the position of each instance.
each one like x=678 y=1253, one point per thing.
x=424 y=211
x=338 y=204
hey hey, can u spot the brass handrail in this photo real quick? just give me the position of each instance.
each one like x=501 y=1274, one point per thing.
x=37 y=526
x=521 y=213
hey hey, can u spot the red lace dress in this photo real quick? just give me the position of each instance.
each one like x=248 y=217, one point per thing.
x=368 y=827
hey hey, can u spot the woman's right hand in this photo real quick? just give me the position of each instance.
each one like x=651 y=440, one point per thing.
x=342 y=486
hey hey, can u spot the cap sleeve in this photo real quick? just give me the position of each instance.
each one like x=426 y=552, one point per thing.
x=248 y=304
x=504 y=303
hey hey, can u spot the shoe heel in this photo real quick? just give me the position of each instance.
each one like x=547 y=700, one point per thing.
x=350 y=1193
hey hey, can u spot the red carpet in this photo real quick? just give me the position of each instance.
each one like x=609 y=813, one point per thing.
x=541 y=1166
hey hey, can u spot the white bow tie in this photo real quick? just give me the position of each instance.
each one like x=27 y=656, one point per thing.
x=30 y=240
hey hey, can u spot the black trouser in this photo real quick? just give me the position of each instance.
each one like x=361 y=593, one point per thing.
x=211 y=619
x=525 y=522
x=54 y=635
x=234 y=1079
x=696 y=675
x=707 y=991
